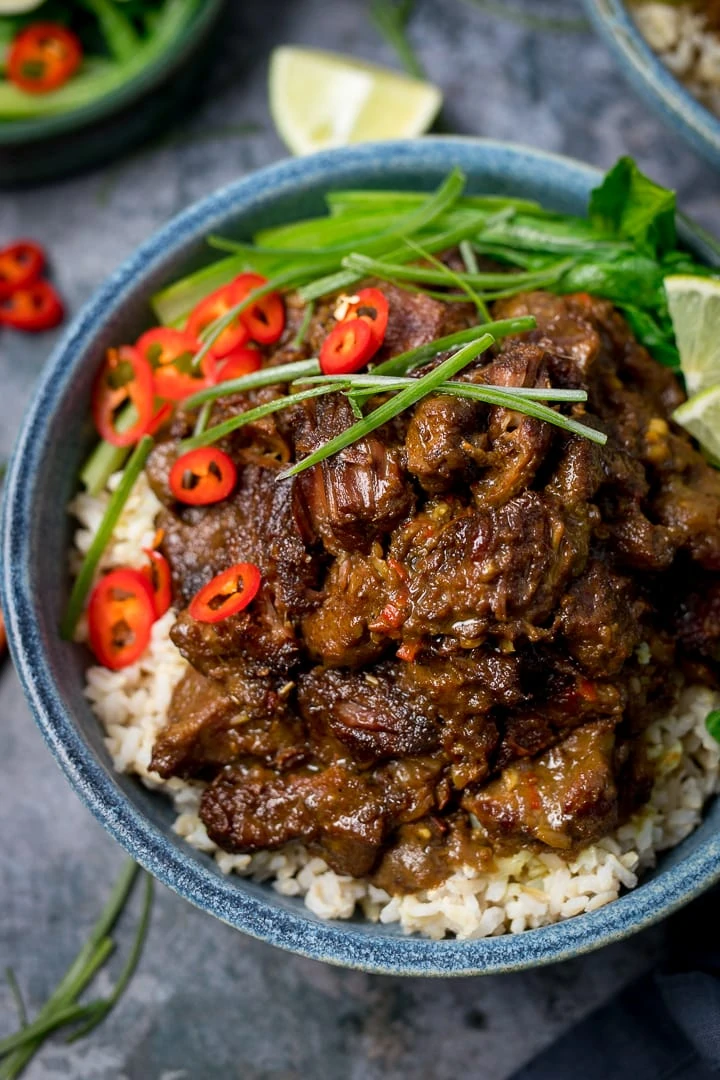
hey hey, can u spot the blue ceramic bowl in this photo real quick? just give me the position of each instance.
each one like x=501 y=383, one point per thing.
x=653 y=80
x=36 y=533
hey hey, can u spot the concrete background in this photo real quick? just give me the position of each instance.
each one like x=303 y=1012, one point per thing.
x=207 y=1002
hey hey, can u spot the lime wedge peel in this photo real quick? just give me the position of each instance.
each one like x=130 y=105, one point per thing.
x=700 y=415
x=320 y=100
x=694 y=304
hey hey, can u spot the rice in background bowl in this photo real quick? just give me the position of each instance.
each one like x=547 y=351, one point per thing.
x=686 y=37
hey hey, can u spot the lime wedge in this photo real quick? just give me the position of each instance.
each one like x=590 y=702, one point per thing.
x=18 y=7
x=694 y=304
x=701 y=417
x=321 y=99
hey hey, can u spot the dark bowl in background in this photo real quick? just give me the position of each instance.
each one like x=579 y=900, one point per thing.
x=48 y=148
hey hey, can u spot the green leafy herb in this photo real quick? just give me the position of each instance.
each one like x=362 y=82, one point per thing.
x=712 y=723
x=655 y=332
x=119 y=497
x=631 y=206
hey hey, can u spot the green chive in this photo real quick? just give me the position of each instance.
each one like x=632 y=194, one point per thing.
x=213 y=434
x=452 y=277
x=391 y=20
x=106 y=458
x=202 y=419
x=407 y=397
x=267 y=376
x=102 y=1008
x=468 y=225
x=299 y=338
x=712 y=723
x=119 y=497
x=469 y=257
x=382 y=384
x=413 y=358
x=366 y=266
x=526 y=406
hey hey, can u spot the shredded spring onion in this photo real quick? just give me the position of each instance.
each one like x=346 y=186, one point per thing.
x=119 y=497
x=407 y=397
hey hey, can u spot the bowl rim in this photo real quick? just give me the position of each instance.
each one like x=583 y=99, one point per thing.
x=182 y=869
x=26 y=132
x=650 y=76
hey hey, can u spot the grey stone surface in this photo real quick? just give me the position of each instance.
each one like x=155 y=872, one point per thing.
x=208 y=1002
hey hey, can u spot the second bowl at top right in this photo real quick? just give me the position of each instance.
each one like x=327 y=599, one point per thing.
x=653 y=79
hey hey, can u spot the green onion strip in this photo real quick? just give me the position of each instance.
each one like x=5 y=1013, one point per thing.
x=407 y=397
x=119 y=497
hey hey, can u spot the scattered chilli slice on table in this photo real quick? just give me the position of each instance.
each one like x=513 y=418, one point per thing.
x=21 y=263
x=27 y=301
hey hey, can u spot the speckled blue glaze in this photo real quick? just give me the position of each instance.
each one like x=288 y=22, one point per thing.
x=35 y=534
x=653 y=80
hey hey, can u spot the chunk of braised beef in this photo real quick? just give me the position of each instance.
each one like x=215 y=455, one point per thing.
x=577 y=472
x=256 y=809
x=688 y=504
x=255 y=524
x=600 y=619
x=464 y=681
x=565 y=331
x=415 y=319
x=357 y=495
x=564 y=797
x=500 y=570
x=338 y=633
x=416 y=856
x=208 y=729
x=446 y=442
x=695 y=616
x=372 y=714
x=569 y=701
x=256 y=639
